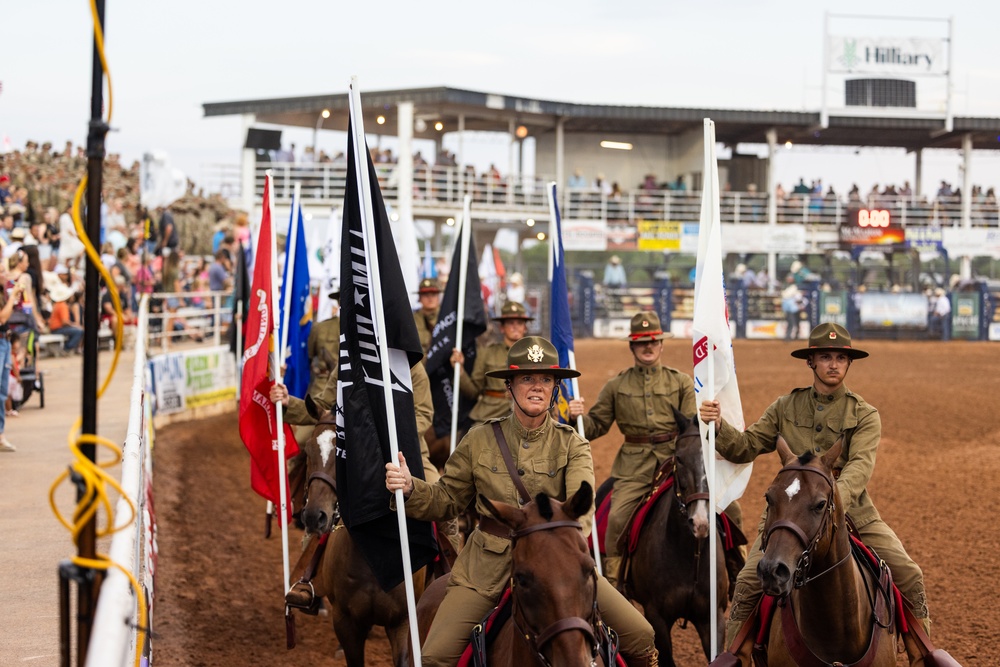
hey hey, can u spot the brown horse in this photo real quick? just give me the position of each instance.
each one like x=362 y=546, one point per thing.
x=829 y=607
x=357 y=602
x=554 y=618
x=669 y=573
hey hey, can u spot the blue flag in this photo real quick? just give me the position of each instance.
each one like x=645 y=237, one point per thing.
x=562 y=325
x=300 y=317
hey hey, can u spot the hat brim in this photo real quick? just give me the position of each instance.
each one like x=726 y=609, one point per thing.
x=512 y=317
x=851 y=352
x=421 y=292
x=663 y=335
x=558 y=373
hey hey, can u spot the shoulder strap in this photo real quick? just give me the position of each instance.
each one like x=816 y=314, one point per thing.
x=509 y=462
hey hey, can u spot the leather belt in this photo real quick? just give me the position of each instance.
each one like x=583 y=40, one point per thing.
x=491 y=526
x=494 y=393
x=654 y=439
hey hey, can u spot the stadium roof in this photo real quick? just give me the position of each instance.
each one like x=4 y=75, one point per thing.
x=494 y=112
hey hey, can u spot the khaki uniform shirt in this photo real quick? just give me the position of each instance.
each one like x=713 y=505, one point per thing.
x=812 y=422
x=324 y=335
x=425 y=326
x=640 y=400
x=495 y=403
x=555 y=461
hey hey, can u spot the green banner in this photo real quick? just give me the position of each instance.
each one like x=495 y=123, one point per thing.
x=965 y=316
x=833 y=307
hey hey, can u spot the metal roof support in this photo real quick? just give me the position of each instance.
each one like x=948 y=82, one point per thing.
x=460 y=157
x=561 y=159
x=404 y=166
x=512 y=142
x=772 y=204
x=966 y=270
x=918 y=175
x=248 y=168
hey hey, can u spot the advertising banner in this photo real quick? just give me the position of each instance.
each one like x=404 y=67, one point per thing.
x=894 y=310
x=193 y=378
x=833 y=307
x=668 y=236
x=973 y=242
x=851 y=235
x=887 y=55
x=965 y=315
x=621 y=236
x=584 y=235
x=786 y=238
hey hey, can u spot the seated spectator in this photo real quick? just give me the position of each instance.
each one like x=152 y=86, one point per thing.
x=60 y=321
x=577 y=181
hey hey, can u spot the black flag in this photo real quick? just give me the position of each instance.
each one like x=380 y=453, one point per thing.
x=362 y=423
x=241 y=294
x=444 y=336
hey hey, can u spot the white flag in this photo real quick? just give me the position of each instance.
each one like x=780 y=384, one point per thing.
x=710 y=329
x=330 y=280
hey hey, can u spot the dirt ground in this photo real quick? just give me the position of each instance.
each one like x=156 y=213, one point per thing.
x=219 y=597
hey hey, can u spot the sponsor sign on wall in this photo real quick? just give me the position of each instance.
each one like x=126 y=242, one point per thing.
x=894 y=310
x=193 y=378
x=886 y=55
x=668 y=236
x=974 y=242
x=784 y=238
x=622 y=235
x=584 y=235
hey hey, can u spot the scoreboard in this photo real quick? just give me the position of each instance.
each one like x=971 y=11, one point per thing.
x=870 y=227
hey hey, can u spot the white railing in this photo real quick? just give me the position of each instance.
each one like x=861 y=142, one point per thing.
x=440 y=185
x=113 y=634
x=197 y=322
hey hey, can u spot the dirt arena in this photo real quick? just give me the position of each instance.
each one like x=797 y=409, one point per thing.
x=219 y=597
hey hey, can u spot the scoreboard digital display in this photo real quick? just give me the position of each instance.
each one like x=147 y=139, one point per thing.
x=870 y=227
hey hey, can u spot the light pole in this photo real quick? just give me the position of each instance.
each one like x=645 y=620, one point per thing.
x=324 y=114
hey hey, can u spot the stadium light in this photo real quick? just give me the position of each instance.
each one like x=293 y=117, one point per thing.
x=617 y=145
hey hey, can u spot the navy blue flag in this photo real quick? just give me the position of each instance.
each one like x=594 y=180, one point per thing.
x=363 y=445
x=296 y=352
x=562 y=324
x=241 y=295
x=443 y=339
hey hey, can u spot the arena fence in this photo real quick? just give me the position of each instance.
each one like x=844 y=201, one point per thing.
x=116 y=623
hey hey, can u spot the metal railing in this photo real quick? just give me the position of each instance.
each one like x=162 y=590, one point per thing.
x=197 y=316
x=443 y=185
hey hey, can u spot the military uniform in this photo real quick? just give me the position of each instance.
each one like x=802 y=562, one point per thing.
x=640 y=399
x=555 y=461
x=324 y=335
x=425 y=322
x=494 y=401
x=813 y=422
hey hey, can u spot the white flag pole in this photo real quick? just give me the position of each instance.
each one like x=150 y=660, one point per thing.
x=364 y=193
x=574 y=383
x=276 y=363
x=463 y=271
x=711 y=175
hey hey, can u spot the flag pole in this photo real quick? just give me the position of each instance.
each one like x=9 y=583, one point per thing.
x=555 y=238
x=279 y=416
x=711 y=172
x=364 y=193
x=463 y=270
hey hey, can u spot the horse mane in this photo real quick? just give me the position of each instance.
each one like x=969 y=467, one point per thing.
x=544 y=504
x=804 y=459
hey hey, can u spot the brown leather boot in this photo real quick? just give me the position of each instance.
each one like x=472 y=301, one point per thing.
x=303 y=597
x=914 y=651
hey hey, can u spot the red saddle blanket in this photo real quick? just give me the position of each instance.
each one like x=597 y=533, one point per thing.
x=729 y=540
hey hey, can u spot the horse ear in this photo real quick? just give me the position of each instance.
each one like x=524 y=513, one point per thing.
x=314 y=410
x=510 y=516
x=832 y=454
x=784 y=451
x=581 y=502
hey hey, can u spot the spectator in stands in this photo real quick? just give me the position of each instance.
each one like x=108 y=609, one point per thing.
x=792 y=301
x=60 y=321
x=601 y=185
x=169 y=239
x=941 y=315
x=614 y=272
x=220 y=271
x=515 y=288
x=577 y=181
x=801 y=188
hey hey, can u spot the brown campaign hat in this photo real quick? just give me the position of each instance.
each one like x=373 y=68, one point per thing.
x=832 y=338
x=512 y=310
x=429 y=286
x=646 y=326
x=533 y=354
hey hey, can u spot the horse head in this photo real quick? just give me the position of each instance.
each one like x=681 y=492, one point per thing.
x=319 y=512
x=804 y=513
x=553 y=577
x=690 y=479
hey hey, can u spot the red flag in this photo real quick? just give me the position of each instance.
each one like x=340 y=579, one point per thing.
x=258 y=417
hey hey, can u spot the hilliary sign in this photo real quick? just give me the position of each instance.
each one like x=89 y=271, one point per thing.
x=886 y=55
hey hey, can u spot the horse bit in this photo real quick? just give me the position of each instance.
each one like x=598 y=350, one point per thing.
x=538 y=640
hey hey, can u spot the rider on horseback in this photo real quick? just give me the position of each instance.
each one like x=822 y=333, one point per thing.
x=549 y=458
x=812 y=419
x=640 y=399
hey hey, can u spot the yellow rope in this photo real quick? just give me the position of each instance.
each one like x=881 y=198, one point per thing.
x=90 y=475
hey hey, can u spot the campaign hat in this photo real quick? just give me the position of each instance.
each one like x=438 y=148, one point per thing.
x=646 y=326
x=513 y=310
x=533 y=355
x=829 y=337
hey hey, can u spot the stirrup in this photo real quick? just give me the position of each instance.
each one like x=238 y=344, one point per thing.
x=312 y=607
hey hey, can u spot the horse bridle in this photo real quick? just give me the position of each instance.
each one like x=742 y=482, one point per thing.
x=804 y=561
x=683 y=501
x=538 y=640
x=322 y=476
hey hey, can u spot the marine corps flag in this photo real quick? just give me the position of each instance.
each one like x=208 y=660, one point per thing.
x=363 y=437
x=258 y=418
x=443 y=339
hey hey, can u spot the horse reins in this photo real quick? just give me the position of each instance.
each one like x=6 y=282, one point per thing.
x=326 y=420
x=538 y=640
x=804 y=561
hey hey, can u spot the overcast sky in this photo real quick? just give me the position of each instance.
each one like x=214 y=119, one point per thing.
x=168 y=58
